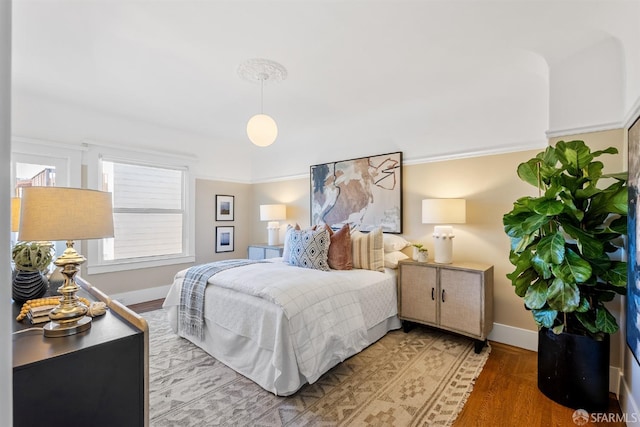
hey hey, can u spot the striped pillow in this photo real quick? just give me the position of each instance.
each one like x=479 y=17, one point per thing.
x=368 y=250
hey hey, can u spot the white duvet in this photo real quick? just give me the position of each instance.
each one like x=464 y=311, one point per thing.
x=314 y=317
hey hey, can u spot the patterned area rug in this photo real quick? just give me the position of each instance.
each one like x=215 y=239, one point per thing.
x=420 y=378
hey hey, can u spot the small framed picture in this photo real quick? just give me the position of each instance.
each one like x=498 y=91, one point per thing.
x=224 y=239
x=224 y=208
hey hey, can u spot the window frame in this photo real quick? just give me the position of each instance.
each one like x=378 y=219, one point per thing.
x=95 y=154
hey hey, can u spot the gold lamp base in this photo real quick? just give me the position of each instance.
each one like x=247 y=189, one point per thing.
x=69 y=317
x=55 y=329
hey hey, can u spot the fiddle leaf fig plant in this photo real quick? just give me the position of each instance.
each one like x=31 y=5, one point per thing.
x=561 y=240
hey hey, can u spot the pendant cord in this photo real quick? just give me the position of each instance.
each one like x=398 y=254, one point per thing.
x=261 y=95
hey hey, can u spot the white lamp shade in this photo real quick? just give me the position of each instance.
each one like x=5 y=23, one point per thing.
x=444 y=211
x=273 y=212
x=262 y=130
x=58 y=213
x=15 y=213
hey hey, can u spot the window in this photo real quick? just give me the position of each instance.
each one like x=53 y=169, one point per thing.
x=148 y=211
x=151 y=213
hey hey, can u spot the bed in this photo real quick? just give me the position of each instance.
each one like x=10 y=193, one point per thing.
x=283 y=326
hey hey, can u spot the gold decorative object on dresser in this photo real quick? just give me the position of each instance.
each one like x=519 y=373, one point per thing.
x=264 y=251
x=455 y=297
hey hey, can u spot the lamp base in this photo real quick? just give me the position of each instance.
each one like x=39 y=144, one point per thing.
x=273 y=233
x=443 y=244
x=55 y=329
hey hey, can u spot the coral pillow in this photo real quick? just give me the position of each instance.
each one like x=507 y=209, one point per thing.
x=340 y=257
x=368 y=250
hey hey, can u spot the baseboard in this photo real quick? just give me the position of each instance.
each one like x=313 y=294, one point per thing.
x=142 y=295
x=516 y=337
x=628 y=405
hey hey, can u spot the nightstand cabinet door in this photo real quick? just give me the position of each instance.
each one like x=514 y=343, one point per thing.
x=461 y=301
x=456 y=297
x=418 y=290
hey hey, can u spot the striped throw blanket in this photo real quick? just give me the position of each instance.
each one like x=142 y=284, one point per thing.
x=191 y=309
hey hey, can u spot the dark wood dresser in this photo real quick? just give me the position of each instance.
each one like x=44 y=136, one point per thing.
x=99 y=377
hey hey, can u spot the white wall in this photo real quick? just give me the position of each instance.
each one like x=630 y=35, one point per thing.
x=587 y=90
x=6 y=402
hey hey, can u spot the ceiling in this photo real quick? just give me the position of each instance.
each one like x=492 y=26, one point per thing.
x=433 y=79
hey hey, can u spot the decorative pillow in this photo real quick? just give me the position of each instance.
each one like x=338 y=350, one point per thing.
x=309 y=248
x=340 y=257
x=368 y=250
x=286 y=250
x=394 y=242
x=391 y=258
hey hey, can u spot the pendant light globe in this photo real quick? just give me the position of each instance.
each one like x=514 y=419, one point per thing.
x=262 y=130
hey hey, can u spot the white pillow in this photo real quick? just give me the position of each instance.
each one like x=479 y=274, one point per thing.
x=394 y=242
x=391 y=258
x=368 y=250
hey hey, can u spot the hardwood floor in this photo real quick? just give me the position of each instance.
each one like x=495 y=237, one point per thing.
x=505 y=394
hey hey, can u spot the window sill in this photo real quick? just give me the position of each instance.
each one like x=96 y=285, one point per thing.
x=138 y=264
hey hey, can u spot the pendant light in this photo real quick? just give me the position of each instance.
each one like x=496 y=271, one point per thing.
x=262 y=129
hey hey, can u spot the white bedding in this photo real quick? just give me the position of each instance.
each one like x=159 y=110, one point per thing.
x=283 y=326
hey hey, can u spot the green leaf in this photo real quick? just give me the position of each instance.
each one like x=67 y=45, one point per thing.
x=605 y=321
x=552 y=248
x=587 y=320
x=617 y=274
x=544 y=317
x=594 y=171
x=523 y=281
x=579 y=268
x=542 y=267
x=588 y=245
x=584 y=305
x=528 y=172
x=548 y=207
x=534 y=222
x=536 y=295
x=574 y=155
x=563 y=296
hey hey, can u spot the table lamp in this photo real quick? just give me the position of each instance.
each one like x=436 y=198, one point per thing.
x=443 y=211
x=58 y=213
x=273 y=214
x=15 y=213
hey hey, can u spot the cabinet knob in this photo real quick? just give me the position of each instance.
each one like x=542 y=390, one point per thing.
x=443 y=295
x=433 y=295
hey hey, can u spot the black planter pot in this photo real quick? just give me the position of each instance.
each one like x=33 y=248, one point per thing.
x=28 y=285
x=573 y=370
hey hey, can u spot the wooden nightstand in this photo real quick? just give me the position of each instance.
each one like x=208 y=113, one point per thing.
x=264 y=251
x=455 y=297
x=99 y=377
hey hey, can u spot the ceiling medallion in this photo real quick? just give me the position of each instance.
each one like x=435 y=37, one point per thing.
x=259 y=70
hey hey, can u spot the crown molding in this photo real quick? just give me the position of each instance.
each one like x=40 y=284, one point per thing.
x=584 y=129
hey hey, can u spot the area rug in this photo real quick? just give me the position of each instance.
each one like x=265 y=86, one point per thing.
x=419 y=378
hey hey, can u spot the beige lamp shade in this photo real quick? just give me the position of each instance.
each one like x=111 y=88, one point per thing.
x=58 y=213
x=444 y=211
x=273 y=212
x=262 y=130
x=15 y=213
